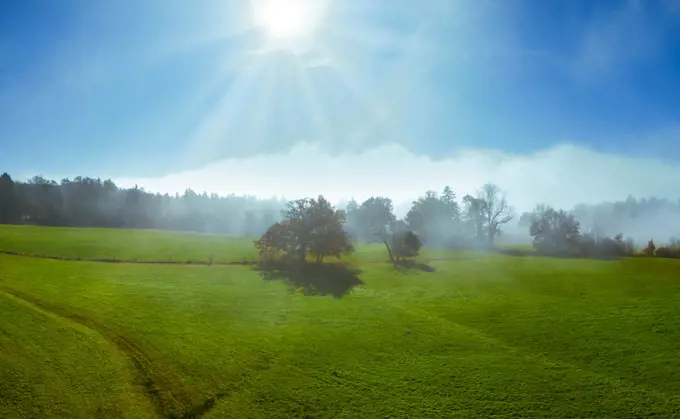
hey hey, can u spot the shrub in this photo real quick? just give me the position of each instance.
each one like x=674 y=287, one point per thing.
x=667 y=252
x=604 y=248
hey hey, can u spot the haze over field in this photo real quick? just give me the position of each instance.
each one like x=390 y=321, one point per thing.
x=548 y=176
x=559 y=103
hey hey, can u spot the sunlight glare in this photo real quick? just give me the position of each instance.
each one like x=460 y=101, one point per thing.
x=285 y=20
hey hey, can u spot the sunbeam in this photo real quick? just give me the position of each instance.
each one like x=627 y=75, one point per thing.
x=214 y=131
x=309 y=93
x=305 y=74
x=287 y=24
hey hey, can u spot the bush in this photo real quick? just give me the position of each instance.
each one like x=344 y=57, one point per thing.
x=605 y=248
x=405 y=243
x=667 y=252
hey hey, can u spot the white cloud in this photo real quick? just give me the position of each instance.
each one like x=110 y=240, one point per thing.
x=562 y=176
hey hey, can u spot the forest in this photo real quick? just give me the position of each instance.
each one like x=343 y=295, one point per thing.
x=439 y=219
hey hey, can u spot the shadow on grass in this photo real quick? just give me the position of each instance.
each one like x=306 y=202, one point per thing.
x=407 y=265
x=515 y=252
x=533 y=253
x=330 y=279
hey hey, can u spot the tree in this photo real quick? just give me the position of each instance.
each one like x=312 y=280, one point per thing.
x=405 y=243
x=448 y=197
x=90 y=202
x=268 y=218
x=436 y=219
x=554 y=232
x=651 y=247
x=495 y=209
x=306 y=215
x=277 y=240
x=475 y=215
x=330 y=239
x=375 y=218
x=352 y=223
x=486 y=212
x=310 y=226
x=9 y=204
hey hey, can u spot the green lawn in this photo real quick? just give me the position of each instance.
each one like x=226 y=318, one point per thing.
x=496 y=336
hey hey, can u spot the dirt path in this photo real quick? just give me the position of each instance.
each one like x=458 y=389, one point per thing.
x=166 y=400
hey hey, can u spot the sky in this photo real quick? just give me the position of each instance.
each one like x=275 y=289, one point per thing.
x=561 y=102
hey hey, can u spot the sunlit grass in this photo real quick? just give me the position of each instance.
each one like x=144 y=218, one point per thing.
x=479 y=337
x=158 y=245
x=123 y=244
x=52 y=367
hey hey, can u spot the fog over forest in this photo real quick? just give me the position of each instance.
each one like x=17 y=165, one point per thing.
x=91 y=202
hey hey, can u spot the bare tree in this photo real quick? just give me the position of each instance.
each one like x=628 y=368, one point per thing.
x=495 y=209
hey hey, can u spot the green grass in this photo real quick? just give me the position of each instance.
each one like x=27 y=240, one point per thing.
x=155 y=245
x=124 y=244
x=498 y=336
x=51 y=367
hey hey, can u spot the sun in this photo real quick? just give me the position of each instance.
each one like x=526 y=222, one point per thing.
x=285 y=20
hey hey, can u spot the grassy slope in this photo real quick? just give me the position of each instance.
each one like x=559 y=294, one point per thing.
x=505 y=336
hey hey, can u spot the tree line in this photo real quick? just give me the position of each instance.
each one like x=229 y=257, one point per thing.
x=441 y=219
x=314 y=227
x=89 y=202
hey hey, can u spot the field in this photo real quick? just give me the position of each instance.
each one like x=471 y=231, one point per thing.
x=482 y=336
x=154 y=245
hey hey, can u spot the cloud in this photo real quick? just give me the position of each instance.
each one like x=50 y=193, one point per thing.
x=562 y=176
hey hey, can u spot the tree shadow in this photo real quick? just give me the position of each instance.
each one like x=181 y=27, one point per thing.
x=515 y=252
x=313 y=279
x=412 y=265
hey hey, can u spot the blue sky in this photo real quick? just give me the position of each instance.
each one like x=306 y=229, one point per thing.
x=163 y=91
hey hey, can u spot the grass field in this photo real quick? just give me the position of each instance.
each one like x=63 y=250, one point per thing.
x=489 y=336
x=121 y=244
x=154 y=245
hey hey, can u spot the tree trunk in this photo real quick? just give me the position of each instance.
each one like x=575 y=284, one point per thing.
x=302 y=253
x=492 y=234
x=480 y=233
x=389 y=251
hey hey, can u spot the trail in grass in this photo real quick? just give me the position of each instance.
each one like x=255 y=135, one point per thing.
x=216 y=262
x=147 y=262
x=82 y=373
x=160 y=395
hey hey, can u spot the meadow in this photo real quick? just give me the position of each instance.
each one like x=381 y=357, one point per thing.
x=482 y=336
x=157 y=245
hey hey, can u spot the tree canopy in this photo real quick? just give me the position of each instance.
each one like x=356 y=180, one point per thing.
x=554 y=232
x=309 y=227
x=436 y=218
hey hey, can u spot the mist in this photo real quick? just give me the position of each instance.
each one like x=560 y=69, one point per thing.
x=91 y=202
x=563 y=176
